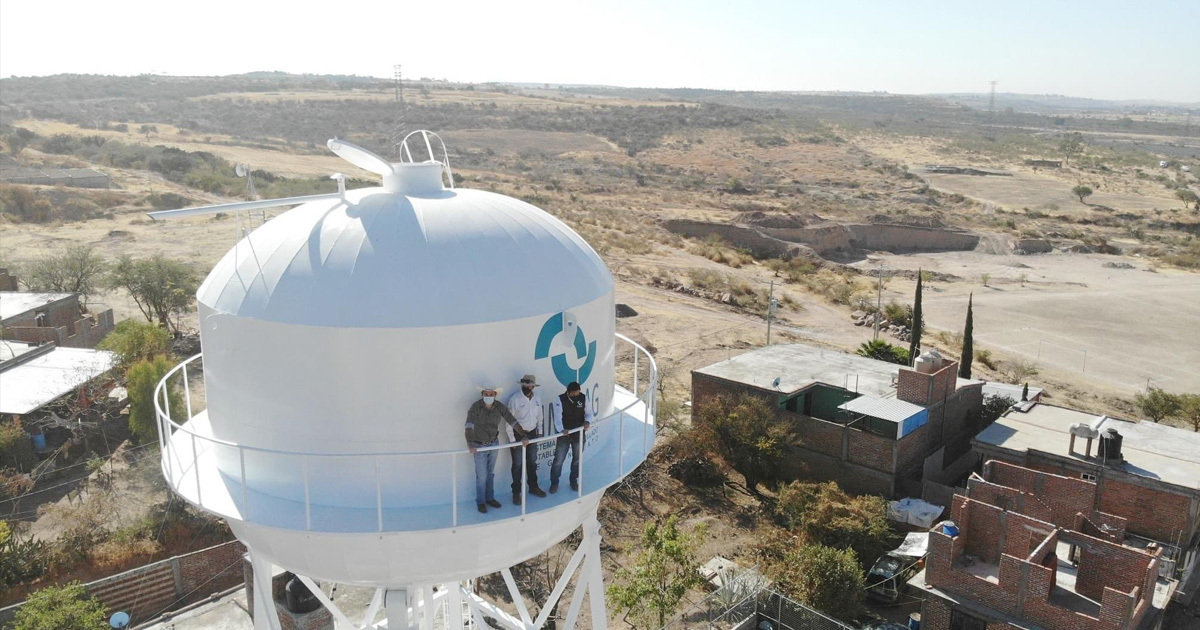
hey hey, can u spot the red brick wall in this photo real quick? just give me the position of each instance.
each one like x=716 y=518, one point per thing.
x=914 y=387
x=935 y=615
x=211 y=570
x=1152 y=513
x=818 y=435
x=870 y=450
x=1052 y=498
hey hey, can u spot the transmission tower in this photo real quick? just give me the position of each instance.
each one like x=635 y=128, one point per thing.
x=399 y=126
x=992 y=101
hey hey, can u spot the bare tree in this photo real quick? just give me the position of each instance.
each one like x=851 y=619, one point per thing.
x=77 y=269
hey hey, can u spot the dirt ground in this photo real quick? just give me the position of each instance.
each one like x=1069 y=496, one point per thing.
x=1108 y=328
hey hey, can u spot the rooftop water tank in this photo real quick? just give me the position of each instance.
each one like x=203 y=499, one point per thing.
x=929 y=361
x=343 y=343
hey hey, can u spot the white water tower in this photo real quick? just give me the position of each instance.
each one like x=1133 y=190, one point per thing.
x=342 y=343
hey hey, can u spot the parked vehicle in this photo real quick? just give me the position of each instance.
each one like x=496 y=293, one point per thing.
x=889 y=574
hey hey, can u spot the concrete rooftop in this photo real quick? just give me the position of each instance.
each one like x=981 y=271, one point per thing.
x=228 y=612
x=798 y=366
x=1153 y=451
x=13 y=303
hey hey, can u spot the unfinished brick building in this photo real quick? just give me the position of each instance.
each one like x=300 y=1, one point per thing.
x=874 y=427
x=1004 y=568
x=57 y=318
x=1150 y=477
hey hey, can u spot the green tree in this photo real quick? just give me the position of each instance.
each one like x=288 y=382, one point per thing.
x=825 y=578
x=162 y=288
x=881 y=350
x=141 y=379
x=994 y=407
x=67 y=607
x=968 y=349
x=1187 y=196
x=1157 y=404
x=134 y=341
x=822 y=513
x=147 y=130
x=666 y=569
x=1189 y=410
x=76 y=269
x=1082 y=192
x=1071 y=145
x=19 y=139
x=747 y=433
x=914 y=344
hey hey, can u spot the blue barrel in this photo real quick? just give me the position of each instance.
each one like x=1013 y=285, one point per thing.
x=950 y=529
x=914 y=621
x=39 y=441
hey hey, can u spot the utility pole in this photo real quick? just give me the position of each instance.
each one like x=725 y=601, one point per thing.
x=770 y=310
x=398 y=126
x=878 y=300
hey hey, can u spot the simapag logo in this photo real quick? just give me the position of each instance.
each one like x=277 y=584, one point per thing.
x=560 y=335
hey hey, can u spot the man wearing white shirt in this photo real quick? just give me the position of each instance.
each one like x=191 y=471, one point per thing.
x=526 y=407
x=572 y=416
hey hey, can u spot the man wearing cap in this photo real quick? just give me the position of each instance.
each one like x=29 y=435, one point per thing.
x=571 y=411
x=483 y=430
x=526 y=407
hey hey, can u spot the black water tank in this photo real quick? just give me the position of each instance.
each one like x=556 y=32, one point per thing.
x=299 y=598
x=1110 y=445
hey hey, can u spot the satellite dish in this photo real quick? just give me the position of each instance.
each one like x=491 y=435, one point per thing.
x=241 y=170
x=119 y=620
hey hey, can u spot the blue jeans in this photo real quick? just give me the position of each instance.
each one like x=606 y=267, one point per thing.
x=485 y=472
x=563 y=443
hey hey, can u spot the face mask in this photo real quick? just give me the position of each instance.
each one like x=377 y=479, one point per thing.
x=487 y=400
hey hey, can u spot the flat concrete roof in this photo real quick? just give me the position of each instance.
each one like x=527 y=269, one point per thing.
x=798 y=366
x=12 y=349
x=28 y=386
x=1153 y=451
x=13 y=303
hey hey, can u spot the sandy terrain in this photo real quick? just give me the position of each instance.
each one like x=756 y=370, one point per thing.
x=1035 y=191
x=1113 y=329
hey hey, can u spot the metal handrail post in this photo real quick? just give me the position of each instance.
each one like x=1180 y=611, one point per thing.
x=307 y=498
x=378 y=495
x=620 y=443
x=524 y=479
x=245 y=493
x=187 y=391
x=453 y=491
x=582 y=430
x=196 y=469
x=635 y=372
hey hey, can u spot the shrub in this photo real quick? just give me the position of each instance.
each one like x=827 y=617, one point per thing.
x=881 y=350
x=825 y=578
x=141 y=379
x=20 y=560
x=60 y=608
x=824 y=514
x=1157 y=404
x=994 y=407
x=985 y=357
x=134 y=341
x=666 y=569
x=746 y=432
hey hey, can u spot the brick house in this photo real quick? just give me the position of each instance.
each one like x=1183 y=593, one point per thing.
x=1152 y=479
x=872 y=426
x=58 y=318
x=1037 y=554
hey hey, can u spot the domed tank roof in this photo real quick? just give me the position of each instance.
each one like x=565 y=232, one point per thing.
x=384 y=259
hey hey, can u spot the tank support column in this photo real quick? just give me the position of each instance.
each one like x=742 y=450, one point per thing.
x=396 y=603
x=591 y=579
x=265 y=615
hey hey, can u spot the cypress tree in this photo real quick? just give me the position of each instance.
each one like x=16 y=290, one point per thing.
x=968 y=353
x=915 y=344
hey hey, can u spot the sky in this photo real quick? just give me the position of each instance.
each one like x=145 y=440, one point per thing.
x=1102 y=49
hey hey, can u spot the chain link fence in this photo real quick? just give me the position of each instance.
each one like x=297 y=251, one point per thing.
x=746 y=602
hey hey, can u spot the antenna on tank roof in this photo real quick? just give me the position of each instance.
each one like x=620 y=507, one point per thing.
x=399 y=125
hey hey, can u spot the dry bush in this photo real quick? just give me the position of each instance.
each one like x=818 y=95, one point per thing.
x=112 y=556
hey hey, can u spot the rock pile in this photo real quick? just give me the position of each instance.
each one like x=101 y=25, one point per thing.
x=863 y=318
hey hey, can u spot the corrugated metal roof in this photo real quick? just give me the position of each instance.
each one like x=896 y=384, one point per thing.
x=42 y=380
x=892 y=409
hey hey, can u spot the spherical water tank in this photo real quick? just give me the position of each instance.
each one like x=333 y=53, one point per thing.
x=343 y=343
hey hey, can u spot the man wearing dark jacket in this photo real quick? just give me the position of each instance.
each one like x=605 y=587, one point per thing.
x=482 y=431
x=572 y=416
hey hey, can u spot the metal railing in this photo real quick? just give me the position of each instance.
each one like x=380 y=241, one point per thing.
x=747 y=600
x=182 y=465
